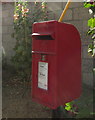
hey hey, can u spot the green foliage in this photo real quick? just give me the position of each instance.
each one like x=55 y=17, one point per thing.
x=22 y=33
x=83 y=106
x=91 y=24
x=68 y=106
x=71 y=108
x=87 y=5
x=79 y=111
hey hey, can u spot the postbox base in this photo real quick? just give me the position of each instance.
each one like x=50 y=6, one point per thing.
x=45 y=104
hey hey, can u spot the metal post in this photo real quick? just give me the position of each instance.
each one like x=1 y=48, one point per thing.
x=60 y=112
x=56 y=113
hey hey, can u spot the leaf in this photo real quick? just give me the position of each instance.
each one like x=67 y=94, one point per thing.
x=93 y=37
x=68 y=106
x=90 y=46
x=91 y=22
x=87 y=5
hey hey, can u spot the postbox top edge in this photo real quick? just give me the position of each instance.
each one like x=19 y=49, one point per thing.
x=52 y=21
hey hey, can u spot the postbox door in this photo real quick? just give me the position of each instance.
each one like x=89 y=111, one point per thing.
x=44 y=72
x=44 y=79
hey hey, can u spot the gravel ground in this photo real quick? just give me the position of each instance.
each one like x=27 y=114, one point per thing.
x=17 y=101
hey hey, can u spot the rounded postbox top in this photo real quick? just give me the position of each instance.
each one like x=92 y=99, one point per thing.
x=52 y=21
x=46 y=21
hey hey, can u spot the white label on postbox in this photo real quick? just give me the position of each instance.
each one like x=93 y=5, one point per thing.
x=43 y=75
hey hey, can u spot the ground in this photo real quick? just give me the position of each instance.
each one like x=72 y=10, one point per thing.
x=17 y=101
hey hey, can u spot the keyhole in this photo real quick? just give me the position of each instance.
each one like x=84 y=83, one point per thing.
x=43 y=57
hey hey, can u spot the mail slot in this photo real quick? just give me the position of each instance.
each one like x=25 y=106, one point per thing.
x=56 y=63
x=44 y=36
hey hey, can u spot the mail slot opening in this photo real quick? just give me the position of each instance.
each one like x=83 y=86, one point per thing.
x=40 y=36
x=46 y=37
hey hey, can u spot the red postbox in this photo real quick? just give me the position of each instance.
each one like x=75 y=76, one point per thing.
x=56 y=63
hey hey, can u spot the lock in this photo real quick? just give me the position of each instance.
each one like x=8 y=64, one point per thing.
x=43 y=57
